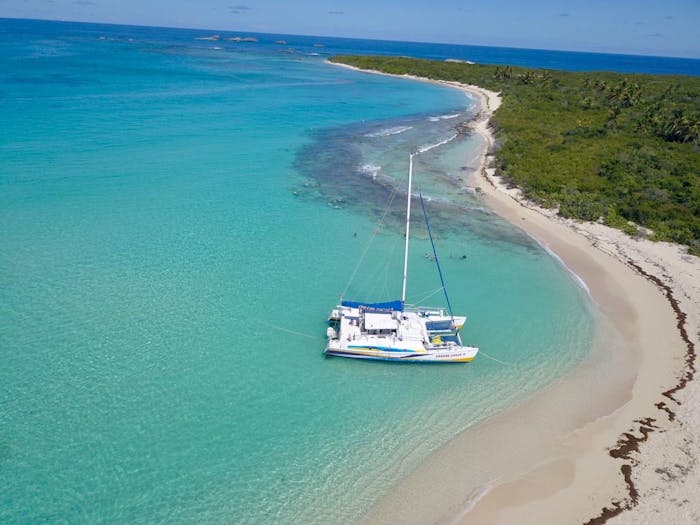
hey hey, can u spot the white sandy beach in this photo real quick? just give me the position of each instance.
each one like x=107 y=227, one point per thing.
x=629 y=451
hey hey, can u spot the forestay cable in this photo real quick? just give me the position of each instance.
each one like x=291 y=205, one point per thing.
x=437 y=262
x=371 y=240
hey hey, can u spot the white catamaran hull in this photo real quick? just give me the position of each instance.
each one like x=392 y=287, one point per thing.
x=464 y=355
x=390 y=332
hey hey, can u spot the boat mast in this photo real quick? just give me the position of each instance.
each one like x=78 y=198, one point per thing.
x=408 y=226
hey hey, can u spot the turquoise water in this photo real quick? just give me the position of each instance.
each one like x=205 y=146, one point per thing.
x=176 y=221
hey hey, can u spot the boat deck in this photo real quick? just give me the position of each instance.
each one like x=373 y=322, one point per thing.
x=395 y=334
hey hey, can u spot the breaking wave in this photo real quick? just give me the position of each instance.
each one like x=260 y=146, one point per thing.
x=438 y=118
x=389 y=131
x=370 y=169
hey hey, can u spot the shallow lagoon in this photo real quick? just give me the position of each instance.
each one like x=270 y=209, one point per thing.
x=177 y=221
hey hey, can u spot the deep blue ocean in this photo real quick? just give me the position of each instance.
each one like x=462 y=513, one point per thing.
x=177 y=218
x=328 y=46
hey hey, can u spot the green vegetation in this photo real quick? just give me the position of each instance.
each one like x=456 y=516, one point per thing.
x=601 y=146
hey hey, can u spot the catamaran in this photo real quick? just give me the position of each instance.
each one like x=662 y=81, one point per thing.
x=395 y=331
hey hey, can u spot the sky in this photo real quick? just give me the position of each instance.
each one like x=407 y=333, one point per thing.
x=644 y=27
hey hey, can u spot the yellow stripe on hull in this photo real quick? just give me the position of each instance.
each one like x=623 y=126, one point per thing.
x=422 y=356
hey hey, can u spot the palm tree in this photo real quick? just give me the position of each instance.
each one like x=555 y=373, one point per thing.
x=528 y=78
x=693 y=134
x=613 y=114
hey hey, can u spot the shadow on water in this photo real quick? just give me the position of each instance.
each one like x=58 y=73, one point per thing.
x=363 y=167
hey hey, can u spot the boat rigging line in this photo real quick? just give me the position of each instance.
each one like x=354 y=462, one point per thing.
x=481 y=352
x=292 y=331
x=437 y=262
x=429 y=295
x=387 y=207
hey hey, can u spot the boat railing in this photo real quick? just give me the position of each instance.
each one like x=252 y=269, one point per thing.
x=424 y=309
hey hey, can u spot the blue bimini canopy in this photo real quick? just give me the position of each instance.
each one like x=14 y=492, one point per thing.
x=396 y=306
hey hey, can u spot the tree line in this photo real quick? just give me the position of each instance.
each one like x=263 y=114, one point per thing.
x=623 y=149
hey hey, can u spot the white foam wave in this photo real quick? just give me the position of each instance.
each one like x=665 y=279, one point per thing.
x=456 y=61
x=370 y=169
x=480 y=209
x=389 y=131
x=428 y=147
x=471 y=502
x=577 y=278
x=443 y=117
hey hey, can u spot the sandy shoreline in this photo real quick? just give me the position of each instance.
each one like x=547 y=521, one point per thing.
x=632 y=456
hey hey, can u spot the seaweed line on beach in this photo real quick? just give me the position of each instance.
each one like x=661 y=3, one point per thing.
x=629 y=443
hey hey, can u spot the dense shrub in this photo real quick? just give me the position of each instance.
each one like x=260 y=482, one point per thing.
x=621 y=147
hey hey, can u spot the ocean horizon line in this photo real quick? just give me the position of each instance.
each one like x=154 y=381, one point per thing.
x=503 y=48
